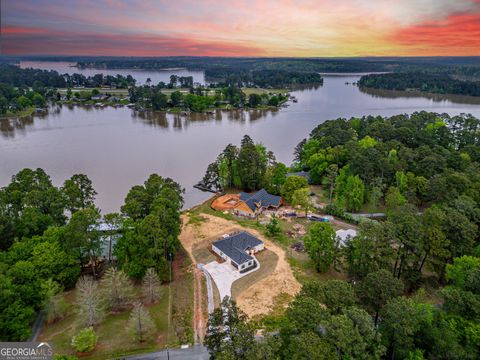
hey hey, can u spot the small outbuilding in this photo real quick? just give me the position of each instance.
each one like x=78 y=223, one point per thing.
x=344 y=236
x=238 y=250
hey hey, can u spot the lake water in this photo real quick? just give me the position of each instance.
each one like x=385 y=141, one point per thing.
x=119 y=148
x=140 y=75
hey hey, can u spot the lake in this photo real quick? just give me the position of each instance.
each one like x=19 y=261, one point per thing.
x=141 y=76
x=118 y=148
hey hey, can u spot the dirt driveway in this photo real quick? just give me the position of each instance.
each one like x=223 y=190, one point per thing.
x=258 y=298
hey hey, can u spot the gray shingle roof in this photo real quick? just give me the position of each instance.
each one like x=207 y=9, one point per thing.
x=235 y=246
x=262 y=198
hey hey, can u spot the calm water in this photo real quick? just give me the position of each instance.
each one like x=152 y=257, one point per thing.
x=118 y=148
x=140 y=75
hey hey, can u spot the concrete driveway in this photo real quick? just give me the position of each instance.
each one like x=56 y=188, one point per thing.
x=224 y=275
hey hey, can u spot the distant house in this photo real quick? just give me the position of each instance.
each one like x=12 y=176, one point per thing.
x=253 y=204
x=245 y=204
x=109 y=234
x=237 y=249
x=303 y=174
x=344 y=236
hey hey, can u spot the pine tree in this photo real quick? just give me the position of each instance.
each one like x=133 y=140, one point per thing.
x=90 y=306
x=140 y=323
x=151 y=286
x=117 y=289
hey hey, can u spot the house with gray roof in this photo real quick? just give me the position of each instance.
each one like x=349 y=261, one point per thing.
x=238 y=250
x=253 y=204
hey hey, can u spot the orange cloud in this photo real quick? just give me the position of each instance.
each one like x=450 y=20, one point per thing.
x=458 y=34
x=241 y=27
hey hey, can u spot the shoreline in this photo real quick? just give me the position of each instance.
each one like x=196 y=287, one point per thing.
x=437 y=97
x=174 y=111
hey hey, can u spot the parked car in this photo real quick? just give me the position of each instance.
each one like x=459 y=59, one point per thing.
x=317 y=218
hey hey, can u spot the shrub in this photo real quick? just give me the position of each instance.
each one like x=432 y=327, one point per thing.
x=340 y=213
x=273 y=228
x=85 y=340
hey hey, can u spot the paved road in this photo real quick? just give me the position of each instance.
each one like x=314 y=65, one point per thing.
x=37 y=327
x=197 y=352
x=367 y=215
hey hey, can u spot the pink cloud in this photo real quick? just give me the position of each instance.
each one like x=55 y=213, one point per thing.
x=24 y=40
x=458 y=34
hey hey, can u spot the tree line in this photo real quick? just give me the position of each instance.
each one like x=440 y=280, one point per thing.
x=425 y=82
x=454 y=65
x=18 y=77
x=264 y=78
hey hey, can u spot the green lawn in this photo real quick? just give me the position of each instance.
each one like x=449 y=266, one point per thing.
x=260 y=91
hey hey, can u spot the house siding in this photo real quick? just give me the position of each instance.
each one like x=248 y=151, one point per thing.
x=259 y=247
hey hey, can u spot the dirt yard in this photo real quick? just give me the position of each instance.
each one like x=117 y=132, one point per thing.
x=257 y=298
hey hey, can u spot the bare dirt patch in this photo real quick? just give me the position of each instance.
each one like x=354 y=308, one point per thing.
x=225 y=202
x=257 y=298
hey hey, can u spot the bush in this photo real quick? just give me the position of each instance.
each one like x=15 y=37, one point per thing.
x=273 y=228
x=333 y=210
x=85 y=340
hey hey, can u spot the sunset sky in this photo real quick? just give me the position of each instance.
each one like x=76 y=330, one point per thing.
x=241 y=28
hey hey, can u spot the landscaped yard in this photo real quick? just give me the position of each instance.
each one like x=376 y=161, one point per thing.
x=114 y=339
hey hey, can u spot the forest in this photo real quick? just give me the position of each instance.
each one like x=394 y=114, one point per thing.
x=425 y=82
x=263 y=78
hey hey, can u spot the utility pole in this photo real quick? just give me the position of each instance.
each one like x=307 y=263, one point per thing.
x=169 y=302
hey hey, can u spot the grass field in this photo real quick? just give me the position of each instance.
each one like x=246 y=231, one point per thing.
x=260 y=91
x=114 y=339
